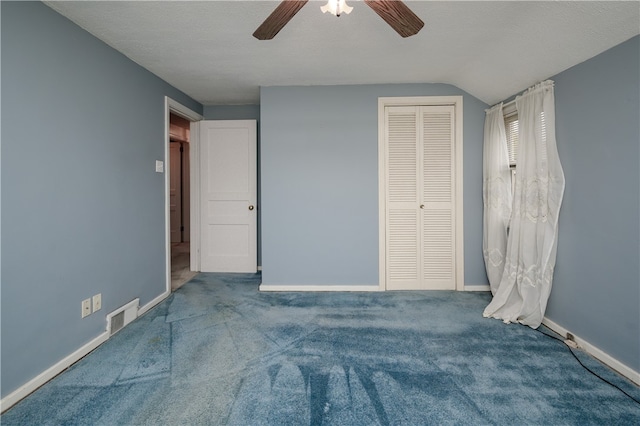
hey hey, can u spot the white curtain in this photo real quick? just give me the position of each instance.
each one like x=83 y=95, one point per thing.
x=524 y=289
x=496 y=194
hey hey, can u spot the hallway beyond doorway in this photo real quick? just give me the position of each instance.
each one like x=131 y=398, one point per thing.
x=180 y=273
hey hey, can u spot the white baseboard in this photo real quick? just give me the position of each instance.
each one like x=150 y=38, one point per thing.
x=51 y=372
x=270 y=287
x=477 y=287
x=597 y=353
x=143 y=309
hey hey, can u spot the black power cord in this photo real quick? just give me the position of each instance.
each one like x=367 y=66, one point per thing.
x=587 y=368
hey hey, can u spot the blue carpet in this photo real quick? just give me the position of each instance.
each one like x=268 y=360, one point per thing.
x=219 y=352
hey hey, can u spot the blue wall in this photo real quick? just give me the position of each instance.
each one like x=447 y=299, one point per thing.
x=596 y=290
x=241 y=112
x=82 y=207
x=319 y=148
x=231 y=112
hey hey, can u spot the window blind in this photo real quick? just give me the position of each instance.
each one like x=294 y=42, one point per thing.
x=511 y=128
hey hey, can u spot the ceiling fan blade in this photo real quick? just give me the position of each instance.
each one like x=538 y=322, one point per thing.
x=398 y=15
x=278 y=19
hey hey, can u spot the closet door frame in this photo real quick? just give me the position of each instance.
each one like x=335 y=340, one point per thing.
x=456 y=102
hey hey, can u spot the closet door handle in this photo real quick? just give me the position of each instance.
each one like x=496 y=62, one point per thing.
x=251 y=207
x=422 y=206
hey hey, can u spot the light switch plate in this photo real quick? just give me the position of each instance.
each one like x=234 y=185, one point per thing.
x=159 y=166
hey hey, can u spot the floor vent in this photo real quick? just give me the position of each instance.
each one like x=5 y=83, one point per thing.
x=122 y=316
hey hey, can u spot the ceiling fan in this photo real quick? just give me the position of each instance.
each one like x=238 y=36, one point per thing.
x=394 y=12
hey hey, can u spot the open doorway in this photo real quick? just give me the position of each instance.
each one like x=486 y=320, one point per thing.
x=181 y=206
x=179 y=200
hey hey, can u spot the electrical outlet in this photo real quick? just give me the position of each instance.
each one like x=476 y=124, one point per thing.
x=86 y=307
x=97 y=302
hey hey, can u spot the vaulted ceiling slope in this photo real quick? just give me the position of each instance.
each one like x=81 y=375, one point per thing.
x=489 y=49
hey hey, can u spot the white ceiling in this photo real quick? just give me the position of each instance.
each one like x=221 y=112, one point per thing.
x=490 y=49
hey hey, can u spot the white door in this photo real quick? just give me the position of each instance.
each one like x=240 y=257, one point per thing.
x=420 y=198
x=228 y=183
x=175 y=193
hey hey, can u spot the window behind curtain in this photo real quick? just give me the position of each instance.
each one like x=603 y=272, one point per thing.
x=511 y=128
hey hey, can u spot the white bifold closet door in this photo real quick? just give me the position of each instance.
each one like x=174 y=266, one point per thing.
x=420 y=216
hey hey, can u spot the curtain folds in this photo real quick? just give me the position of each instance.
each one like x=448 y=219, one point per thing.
x=496 y=194
x=525 y=285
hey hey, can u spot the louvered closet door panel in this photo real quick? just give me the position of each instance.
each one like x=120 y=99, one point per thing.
x=401 y=155
x=420 y=194
x=403 y=193
x=437 y=224
x=403 y=246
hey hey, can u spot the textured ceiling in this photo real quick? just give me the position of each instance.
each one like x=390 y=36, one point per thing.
x=490 y=49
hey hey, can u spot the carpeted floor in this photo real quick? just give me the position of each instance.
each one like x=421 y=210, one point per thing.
x=217 y=351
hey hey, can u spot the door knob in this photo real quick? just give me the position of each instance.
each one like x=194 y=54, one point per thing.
x=422 y=206
x=251 y=207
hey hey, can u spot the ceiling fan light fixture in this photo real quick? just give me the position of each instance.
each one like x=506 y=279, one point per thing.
x=393 y=12
x=336 y=7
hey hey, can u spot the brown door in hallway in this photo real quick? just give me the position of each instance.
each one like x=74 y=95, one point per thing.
x=175 y=192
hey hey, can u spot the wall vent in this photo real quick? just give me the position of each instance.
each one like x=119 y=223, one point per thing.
x=122 y=316
x=117 y=322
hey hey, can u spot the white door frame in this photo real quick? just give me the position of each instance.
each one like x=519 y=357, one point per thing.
x=172 y=106
x=456 y=102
